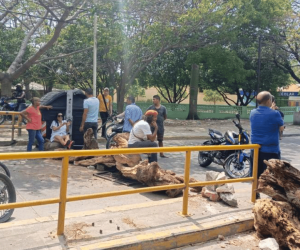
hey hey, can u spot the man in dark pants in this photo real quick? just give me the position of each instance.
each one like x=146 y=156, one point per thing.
x=105 y=108
x=265 y=125
x=141 y=135
x=161 y=117
x=90 y=113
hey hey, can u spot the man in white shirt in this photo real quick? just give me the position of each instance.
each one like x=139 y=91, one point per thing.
x=141 y=135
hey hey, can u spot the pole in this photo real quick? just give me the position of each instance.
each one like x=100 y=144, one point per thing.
x=186 y=182
x=95 y=57
x=258 y=67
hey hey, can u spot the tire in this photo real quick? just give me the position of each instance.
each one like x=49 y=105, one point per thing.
x=203 y=159
x=236 y=170
x=4 y=169
x=2 y=117
x=110 y=141
x=108 y=131
x=7 y=195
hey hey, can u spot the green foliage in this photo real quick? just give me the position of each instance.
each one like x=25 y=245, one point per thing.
x=136 y=90
x=212 y=96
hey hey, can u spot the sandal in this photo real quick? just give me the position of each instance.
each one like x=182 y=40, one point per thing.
x=67 y=144
x=70 y=144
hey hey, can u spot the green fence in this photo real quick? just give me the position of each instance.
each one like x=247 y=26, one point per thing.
x=180 y=111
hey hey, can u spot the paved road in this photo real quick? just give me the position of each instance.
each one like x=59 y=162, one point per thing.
x=39 y=179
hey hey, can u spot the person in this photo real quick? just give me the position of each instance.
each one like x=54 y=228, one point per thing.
x=60 y=129
x=105 y=107
x=34 y=123
x=162 y=116
x=90 y=113
x=141 y=135
x=265 y=124
x=274 y=106
x=20 y=96
x=132 y=114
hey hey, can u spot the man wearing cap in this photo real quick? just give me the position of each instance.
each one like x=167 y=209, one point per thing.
x=141 y=135
x=105 y=107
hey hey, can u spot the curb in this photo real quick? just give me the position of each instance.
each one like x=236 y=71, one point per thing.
x=178 y=237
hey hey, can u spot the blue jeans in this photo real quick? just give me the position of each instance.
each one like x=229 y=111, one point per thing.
x=32 y=134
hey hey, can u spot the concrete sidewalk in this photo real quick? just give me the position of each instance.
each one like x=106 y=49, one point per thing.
x=149 y=225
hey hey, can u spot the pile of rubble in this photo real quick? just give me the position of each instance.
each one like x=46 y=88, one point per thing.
x=279 y=217
x=224 y=192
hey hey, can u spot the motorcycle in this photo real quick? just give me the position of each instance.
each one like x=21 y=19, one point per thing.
x=236 y=163
x=7 y=193
x=10 y=106
x=116 y=128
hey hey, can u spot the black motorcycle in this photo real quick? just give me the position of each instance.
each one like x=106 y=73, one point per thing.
x=5 y=105
x=236 y=163
x=115 y=129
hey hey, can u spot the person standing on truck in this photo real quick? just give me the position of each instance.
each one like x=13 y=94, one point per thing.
x=105 y=107
x=161 y=117
x=90 y=113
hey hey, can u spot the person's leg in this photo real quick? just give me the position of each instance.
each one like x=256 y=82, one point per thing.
x=66 y=138
x=86 y=126
x=146 y=144
x=104 y=116
x=40 y=139
x=95 y=127
x=60 y=139
x=160 y=138
x=31 y=136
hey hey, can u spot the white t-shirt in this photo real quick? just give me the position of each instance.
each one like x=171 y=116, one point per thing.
x=140 y=131
x=61 y=132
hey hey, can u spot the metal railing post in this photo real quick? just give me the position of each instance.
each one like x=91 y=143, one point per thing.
x=186 y=182
x=13 y=127
x=63 y=195
x=19 y=125
x=254 y=172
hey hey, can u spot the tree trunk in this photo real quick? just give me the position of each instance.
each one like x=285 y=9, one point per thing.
x=122 y=91
x=27 y=90
x=194 y=93
x=6 y=84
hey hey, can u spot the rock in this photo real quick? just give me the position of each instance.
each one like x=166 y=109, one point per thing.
x=221 y=237
x=226 y=188
x=229 y=199
x=268 y=244
x=211 y=176
x=49 y=146
x=213 y=196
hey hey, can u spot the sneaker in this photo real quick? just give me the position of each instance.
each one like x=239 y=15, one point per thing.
x=257 y=196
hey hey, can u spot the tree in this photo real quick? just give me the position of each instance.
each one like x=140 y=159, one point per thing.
x=169 y=74
x=212 y=96
x=136 y=90
x=194 y=93
x=41 y=23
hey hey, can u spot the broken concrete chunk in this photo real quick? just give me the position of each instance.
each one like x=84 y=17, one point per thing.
x=221 y=176
x=229 y=199
x=213 y=196
x=226 y=188
x=211 y=176
x=268 y=244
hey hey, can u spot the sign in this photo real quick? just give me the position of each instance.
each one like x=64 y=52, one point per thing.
x=288 y=93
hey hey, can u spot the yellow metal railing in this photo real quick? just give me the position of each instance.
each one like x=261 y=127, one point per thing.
x=12 y=126
x=63 y=198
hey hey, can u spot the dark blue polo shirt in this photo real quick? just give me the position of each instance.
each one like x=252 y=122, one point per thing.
x=265 y=123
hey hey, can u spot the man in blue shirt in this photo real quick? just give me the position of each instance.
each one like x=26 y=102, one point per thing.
x=131 y=114
x=90 y=113
x=265 y=126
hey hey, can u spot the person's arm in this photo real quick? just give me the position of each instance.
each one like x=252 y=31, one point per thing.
x=54 y=128
x=85 y=111
x=280 y=121
x=165 y=114
x=24 y=114
x=68 y=126
x=152 y=137
x=22 y=96
x=121 y=116
x=46 y=107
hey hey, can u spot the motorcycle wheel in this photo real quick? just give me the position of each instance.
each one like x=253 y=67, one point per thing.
x=2 y=117
x=108 y=131
x=110 y=141
x=203 y=159
x=4 y=169
x=7 y=195
x=234 y=169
